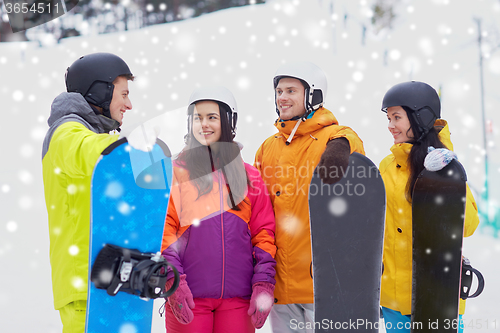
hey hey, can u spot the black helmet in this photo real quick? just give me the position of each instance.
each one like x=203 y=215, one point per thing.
x=420 y=98
x=92 y=76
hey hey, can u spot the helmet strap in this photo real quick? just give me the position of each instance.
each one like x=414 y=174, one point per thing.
x=189 y=128
x=100 y=94
x=420 y=131
x=308 y=100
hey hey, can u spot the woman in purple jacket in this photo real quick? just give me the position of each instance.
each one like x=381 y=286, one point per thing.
x=219 y=229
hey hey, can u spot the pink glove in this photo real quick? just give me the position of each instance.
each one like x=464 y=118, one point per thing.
x=181 y=301
x=261 y=302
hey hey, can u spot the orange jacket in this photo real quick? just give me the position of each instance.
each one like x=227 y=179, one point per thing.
x=287 y=171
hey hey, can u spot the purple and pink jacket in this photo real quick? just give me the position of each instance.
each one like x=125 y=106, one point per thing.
x=223 y=252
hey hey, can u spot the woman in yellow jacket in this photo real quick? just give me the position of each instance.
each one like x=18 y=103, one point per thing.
x=413 y=110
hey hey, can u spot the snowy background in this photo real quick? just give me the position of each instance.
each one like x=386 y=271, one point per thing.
x=432 y=40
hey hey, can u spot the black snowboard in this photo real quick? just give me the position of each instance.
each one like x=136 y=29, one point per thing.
x=347 y=229
x=438 y=222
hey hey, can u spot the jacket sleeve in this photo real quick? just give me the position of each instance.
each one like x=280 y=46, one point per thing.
x=258 y=159
x=76 y=149
x=471 y=215
x=262 y=228
x=354 y=141
x=170 y=241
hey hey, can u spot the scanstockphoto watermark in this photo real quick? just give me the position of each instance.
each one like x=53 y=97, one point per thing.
x=307 y=170
x=327 y=324
x=338 y=189
x=353 y=185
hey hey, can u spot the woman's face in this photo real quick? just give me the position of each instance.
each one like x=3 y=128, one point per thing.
x=399 y=124
x=206 y=122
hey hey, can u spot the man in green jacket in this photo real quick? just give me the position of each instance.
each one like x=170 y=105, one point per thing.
x=80 y=121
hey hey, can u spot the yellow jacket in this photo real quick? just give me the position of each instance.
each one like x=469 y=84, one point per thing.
x=71 y=149
x=287 y=171
x=396 y=290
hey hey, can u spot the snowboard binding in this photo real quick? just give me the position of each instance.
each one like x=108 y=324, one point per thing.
x=467 y=272
x=144 y=274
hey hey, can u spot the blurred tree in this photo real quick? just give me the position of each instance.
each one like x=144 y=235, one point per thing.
x=383 y=14
x=103 y=16
x=6 y=34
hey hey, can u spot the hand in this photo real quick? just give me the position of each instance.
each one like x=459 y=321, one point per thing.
x=437 y=159
x=261 y=302
x=143 y=137
x=334 y=161
x=181 y=301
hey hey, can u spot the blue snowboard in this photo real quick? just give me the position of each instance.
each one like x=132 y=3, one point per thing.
x=130 y=194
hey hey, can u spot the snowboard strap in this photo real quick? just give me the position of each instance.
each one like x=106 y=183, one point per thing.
x=467 y=272
x=144 y=274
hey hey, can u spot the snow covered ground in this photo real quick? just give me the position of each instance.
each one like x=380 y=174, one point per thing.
x=432 y=41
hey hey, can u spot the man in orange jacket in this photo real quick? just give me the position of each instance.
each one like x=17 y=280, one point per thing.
x=308 y=137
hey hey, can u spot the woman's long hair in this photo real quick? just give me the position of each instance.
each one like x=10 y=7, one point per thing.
x=418 y=151
x=200 y=161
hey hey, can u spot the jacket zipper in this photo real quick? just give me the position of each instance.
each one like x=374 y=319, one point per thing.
x=222 y=228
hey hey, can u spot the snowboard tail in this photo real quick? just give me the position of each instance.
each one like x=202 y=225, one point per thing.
x=347 y=227
x=438 y=210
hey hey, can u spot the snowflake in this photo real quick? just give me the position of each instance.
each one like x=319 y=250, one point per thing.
x=264 y=302
x=25 y=177
x=11 y=226
x=338 y=206
x=71 y=189
x=124 y=208
x=128 y=328
x=114 y=190
x=105 y=276
x=17 y=95
x=73 y=250
x=78 y=283
x=25 y=202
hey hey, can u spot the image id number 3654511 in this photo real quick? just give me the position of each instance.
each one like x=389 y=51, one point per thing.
x=479 y=324
x=37 y=7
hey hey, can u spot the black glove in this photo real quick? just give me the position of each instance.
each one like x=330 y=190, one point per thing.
x=334 y=161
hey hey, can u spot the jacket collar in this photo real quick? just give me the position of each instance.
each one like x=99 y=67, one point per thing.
x=74 y=104
x=402 y=150
x=321 y=118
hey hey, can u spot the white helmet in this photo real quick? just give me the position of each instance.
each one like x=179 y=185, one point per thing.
x=312 y=75
x=218 y=94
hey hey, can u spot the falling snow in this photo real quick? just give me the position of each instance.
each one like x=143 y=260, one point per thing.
x=338 y=206
x=264 y=302
x=11 y=226
x=124 y=208
x=128 y=328
x=241 y=48
x=114 y=190
x=105 y=276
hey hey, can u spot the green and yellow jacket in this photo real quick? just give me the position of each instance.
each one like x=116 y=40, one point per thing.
x=73 y=143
